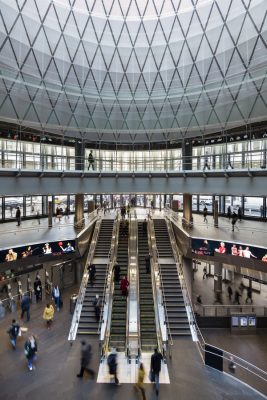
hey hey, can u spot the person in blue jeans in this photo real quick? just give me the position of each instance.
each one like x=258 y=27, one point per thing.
x=155 y=367
x=30 y=350
x=56 y=296
x=25 y=306
x=13 y=332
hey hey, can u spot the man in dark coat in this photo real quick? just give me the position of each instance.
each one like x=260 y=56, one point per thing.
x=92 y=272
x=86 y=355
x=147 y=259
x=37 y=288
x=112 y=365
x=25 y=306
x=18 y=216
x=117 y=271
x=155 y=367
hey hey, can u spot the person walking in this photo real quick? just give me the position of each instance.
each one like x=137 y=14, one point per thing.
x=86 y=356
x=140 y=381
x=229 y=212
x=230 y=292
x=18 y=216
x=204 y=273
x=237 y=296
x=97 y=307
x=229 y=162
x=144 y=227
x=30 y=350
x=117 y=271
x=113 y=365
x=37 y=289
x=239 y=213
x=92 y=272
x=155 y=368
x=234 y=221
x=147 y=260
x=91 y=161
x=205 y=213
x=249 y=295
x=124 y=286
x=56 y=296
x=67 y=212
x=13 y=332
x=206 y=161
x=48 y=315
x=25 y=306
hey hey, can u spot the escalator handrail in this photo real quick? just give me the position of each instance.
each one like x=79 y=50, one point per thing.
x=127 y=301
x=155 y=250
x=84 y=282
x=108 y=293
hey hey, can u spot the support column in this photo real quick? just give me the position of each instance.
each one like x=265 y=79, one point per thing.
x=175 y=205
x=218 y=281
x=188 y=273
x=216 y=213
x=79 y=216
x=79 y=155
x=187 y=208
x=50 y=214
x=187 y=154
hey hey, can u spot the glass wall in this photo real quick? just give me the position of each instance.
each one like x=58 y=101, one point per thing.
x=253 y=206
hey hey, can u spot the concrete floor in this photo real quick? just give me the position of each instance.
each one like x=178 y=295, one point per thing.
x=58 y=364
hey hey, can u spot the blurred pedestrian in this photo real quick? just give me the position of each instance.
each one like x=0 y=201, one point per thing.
x=14 y=331
x=37 y=288
x=86 y=356
x=30 y=350
x=234 y=221
x=25 y=306
x=155 y=368
x=140 y=381
x=113 y=365
x=124 y=286
x=56 y=296
x=206 y=161
x=48 y=315
x=199 y=299
x=117 y=271
x=239 y=213
x=229 y=212
x=249 y=295
x=204 y=272
x=237 y=296
x=92 y=272
x=91 y=161
x=97 y=307
x=147 y=260
x=18 y=216
x=205 y=213
x=144 y=227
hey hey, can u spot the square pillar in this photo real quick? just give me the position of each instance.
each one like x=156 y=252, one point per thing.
x=79 y=215
x=187 y=210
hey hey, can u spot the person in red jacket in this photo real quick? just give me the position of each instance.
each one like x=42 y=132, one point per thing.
x=124 y=286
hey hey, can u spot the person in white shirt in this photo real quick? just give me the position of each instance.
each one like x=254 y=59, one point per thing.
x=247 y=253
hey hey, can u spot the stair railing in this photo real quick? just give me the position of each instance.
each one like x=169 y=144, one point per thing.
x=107 y=299
x=164 y=340
x=84 y=282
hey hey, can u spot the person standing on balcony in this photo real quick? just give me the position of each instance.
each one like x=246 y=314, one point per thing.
x=18 y=216
x=206 y=161
x=91 y=161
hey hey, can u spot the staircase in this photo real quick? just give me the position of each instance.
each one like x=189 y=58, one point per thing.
x=87 y=323
x=174 y=302
x=119 y=305
x=146 y=301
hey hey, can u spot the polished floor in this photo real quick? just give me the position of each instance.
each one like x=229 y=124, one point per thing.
x=58 y=364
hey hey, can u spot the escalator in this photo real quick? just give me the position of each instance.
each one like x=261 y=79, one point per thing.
x=87 y=323
x=119 y=305
x=146 y=301
x=174 y=302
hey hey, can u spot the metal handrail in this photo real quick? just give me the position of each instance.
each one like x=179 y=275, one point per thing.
x=84 y=282
x=227 y=356
x=127 y=300
x=110 y=288
x=138 y=288
x=108 y=269
x=228 y=308
x=163 y=302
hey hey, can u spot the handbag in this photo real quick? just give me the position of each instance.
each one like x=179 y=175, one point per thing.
x=151 y=376
x=19 y=333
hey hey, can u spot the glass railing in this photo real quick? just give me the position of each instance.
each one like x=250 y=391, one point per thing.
x=245 y=160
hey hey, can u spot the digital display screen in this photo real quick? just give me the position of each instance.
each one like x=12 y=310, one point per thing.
x=243 y=321
x=235 y=321
x=212 y=247
x=251 y=321
x=38 y=249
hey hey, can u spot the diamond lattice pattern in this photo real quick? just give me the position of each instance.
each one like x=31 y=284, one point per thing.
x=133 y=69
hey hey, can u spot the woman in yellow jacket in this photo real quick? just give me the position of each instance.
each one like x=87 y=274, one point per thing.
x=140 y=381
x=48 y=315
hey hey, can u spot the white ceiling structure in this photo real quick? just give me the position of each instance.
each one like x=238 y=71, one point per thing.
x=133 y=70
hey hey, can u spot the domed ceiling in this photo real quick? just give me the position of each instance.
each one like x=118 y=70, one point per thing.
x=133 y=70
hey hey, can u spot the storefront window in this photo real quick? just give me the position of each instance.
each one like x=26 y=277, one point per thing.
x=11 y=205
x=194 y=202
x=205 y=201
x=72 y=203
x=253 y=206
x=33 y=205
